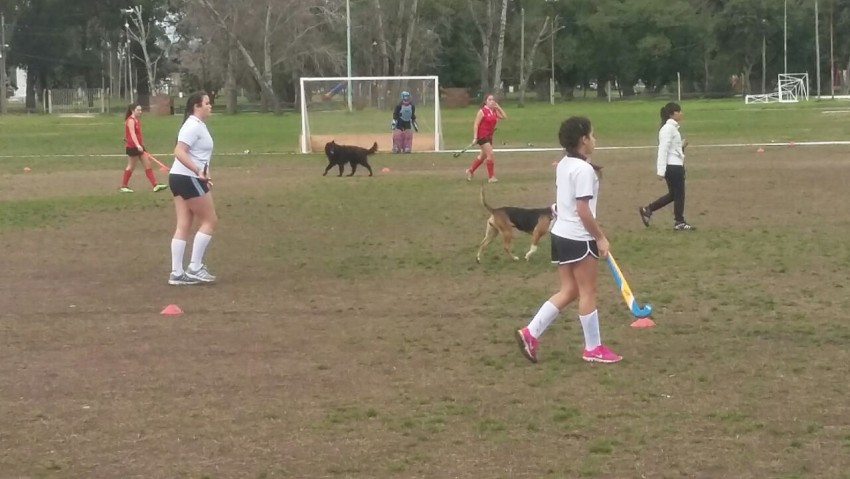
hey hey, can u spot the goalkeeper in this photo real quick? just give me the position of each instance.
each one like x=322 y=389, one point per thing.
x=404 y=123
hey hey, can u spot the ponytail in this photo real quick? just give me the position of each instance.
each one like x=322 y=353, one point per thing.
x=668 y=110
x=195 y=99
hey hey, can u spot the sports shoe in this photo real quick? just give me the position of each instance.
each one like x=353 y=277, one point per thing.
x=645 y=215
x=125 y=189
x=201 y=275
x=493 y=180
x=527 y=344
x=181 y=279
x=159 y=187
x=600 y=354
x=683 y=226
x=469 y=175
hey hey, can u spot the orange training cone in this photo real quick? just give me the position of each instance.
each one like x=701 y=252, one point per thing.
x=643 y=323
x=760 y=150
x=791 y=144
x=171 y=310
x=27 y=169
x=385 y=170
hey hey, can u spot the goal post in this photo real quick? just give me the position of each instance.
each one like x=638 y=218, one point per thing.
x=326 y=114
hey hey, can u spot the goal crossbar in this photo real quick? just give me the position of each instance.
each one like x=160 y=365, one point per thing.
x=305 y=145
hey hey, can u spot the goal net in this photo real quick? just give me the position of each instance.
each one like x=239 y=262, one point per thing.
x=359 y=111
x=790 y=88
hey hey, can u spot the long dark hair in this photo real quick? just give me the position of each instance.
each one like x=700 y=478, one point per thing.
x=486 y=95
x=195 y=99
x=130 y=109
x=668 y=110
x=572 y=130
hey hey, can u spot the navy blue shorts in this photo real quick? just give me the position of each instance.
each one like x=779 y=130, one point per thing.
x=187 y=186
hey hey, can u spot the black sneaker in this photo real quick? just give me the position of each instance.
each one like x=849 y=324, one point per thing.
x=684 y=227
x=645 y=215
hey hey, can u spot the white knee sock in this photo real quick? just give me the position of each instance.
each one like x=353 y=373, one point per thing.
x=178 y=248
x=590 y=326
x=544 y=317
x=202 y=240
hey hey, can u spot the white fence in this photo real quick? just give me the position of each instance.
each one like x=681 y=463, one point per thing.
x=79 y=100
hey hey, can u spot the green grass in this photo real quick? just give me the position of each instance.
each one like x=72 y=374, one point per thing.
x=618 y=124
x=353 y=335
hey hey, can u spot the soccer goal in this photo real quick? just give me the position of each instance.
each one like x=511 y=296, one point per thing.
x=791 y=88
x=359 y=111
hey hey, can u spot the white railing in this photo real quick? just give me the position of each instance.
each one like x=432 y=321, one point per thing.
x=76 y=100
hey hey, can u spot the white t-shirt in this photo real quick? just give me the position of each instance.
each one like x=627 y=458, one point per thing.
x=196 y=136
x=574 y=178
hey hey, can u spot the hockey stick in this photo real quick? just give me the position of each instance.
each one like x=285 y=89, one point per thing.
x=636 y=309
x=465 y=148
x=161 y=166
x=474 y=142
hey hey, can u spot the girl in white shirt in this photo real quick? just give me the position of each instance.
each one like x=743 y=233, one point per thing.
x=577 y=244
x=670 y=166
x=190 y=183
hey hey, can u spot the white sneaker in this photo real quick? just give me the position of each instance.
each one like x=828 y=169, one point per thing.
x=181 y=279
x=468 y=175
x=201 y=275
x=493 y=180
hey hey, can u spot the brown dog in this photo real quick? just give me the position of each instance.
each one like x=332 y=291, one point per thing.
x=503 y=220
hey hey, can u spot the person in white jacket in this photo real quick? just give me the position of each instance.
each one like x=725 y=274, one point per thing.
x=671 y=168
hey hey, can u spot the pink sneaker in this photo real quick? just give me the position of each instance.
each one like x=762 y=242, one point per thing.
x=527 y=344
x=600 y=354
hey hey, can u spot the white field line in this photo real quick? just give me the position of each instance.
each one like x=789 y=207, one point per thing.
x=510 y=150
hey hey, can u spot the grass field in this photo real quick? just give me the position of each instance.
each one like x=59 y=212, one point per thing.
x=352 y=334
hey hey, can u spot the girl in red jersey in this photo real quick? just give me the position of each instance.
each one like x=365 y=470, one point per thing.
x=485 y=123
x=135 y=149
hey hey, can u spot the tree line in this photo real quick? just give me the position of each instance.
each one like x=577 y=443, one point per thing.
x=716 y=47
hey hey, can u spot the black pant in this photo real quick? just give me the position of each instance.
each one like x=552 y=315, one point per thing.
x=675 y=177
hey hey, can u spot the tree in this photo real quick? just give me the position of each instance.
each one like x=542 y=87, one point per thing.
x=141 y=32
x=483 y=14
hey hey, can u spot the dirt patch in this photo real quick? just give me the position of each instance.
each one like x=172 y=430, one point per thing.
x=421 y=141
x=352 y=334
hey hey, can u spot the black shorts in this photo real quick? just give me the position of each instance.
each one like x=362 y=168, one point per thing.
x=133 y=151
x=566 y=251
x=485 y=140
x=187 y=186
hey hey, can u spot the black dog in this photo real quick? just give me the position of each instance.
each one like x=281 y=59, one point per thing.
x=339 y=155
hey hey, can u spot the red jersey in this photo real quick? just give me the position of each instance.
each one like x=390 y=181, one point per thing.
x=487 y=124
x=128 y=140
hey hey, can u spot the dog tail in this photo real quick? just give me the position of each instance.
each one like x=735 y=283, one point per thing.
x=484 y=201
x=374 y=148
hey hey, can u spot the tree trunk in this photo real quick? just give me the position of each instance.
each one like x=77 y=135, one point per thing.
x=486 y=34
x=140 y=36
x=230 y=78
x=500 y=48
x=382 y=39
x=529 y=63
x=405 y=64
x=268 y=101
x=230 y=81
x=252 y=66
x=397 y=50
x=31 y=97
